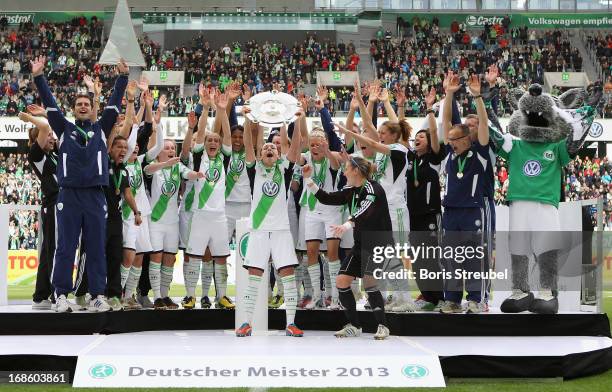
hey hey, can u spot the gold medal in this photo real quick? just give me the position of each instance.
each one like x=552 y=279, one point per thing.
x=211 y=182
x=416 y=184
x=236 y=177
x=459 y=175
x=117 y=192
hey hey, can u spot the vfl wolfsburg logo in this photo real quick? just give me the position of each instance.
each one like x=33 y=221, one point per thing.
x=135 y=180
x=102 y=370
x=270 y=188
x=415 y=371
x=237 y=166
x=549 y=155
x=243 y=244
x=168 y=188
x=214 y=176
x=532 y=168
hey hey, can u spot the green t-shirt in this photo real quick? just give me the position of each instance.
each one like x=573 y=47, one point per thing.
x=535 y=170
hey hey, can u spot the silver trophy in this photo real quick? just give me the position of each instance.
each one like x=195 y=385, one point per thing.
x=272 y=108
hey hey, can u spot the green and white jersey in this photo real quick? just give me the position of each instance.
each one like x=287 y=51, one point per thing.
x=391 y=174
x=138 y=190
x=165 y=185
x=210 y=190
x=269 y=205
x=322 y=176
x=237 y=185
x=534 y=169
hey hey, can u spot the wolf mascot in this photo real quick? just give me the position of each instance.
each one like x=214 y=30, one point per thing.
x=544 y=134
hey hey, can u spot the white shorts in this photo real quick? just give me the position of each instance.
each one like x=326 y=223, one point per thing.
x=533 y=228
x=263 y=244
x=400 y=221
x=317 y=226
x=235 y=211
x=184 y=218
x=207 y=229
x=137 y=238
x=164 y=237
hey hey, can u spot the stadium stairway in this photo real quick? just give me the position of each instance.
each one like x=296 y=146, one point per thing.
x=588 y=65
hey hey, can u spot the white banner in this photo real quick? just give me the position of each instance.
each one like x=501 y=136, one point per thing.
x=261 y=369
x=176 y=127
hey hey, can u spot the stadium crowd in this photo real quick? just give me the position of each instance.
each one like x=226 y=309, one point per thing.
x=417 y=58
x=72 y=48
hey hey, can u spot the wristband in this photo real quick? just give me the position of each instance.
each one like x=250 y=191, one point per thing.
x=430 y=111
x=347 y=225
x=477 y=96
x=137 y=213
x=131 y=100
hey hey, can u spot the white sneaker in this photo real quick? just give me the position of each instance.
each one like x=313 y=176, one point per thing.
x=381 y=333
x=349 y=331
x=545 y=295
x=335 y=304
x=405 y=306
x=313 y=304
x=45 y=304
x=98 y=304
x=62 y=305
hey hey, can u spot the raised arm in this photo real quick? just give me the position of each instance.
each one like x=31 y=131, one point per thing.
x=131 y=143
x=430 y=99
x=400 y=99
x=156 y=166
x=481 y=110
x=384 y=97
x=57 y=121
x=451 y=86
x=366 y=118
x=192 y=121
x=205 y=102
x=350 y=119
x=335 y=144
x=156 y=141
x=112 y=110
x=222 y=101
x=294 y=149
x=41 y=124
x=94 y=87
x=129 y=110
x=366 y=141
x=249 y=150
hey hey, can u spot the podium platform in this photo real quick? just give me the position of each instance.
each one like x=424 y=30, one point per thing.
x=496 y=345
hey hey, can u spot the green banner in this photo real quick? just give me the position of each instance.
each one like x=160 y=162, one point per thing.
x=533 y=20
x=16 y=18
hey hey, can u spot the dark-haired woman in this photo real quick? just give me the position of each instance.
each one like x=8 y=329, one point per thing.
x=371 y=223
x=43 y=159
x=424 y=205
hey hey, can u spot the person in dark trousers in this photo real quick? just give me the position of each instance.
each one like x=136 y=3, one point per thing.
x=424 y=206
x=371 y=223
x=82 y=173
x=43 y=159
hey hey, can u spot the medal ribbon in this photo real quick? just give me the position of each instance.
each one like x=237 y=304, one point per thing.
x=265 y=203
x=127 y=210
x=416 y=179
x=461 y=165
x=162 y=202
x=319 y=179
x=83 y=133
x=381 y=167
x=230 y=181
x=117 y=181
x=209 y=186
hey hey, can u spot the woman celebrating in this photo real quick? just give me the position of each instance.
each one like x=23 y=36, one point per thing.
x=371 y=224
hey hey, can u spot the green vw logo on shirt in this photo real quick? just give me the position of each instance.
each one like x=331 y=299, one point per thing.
x=168 y=188
x=415 y=371
x=102 y=370
x=237 y=166
x=213 y=175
